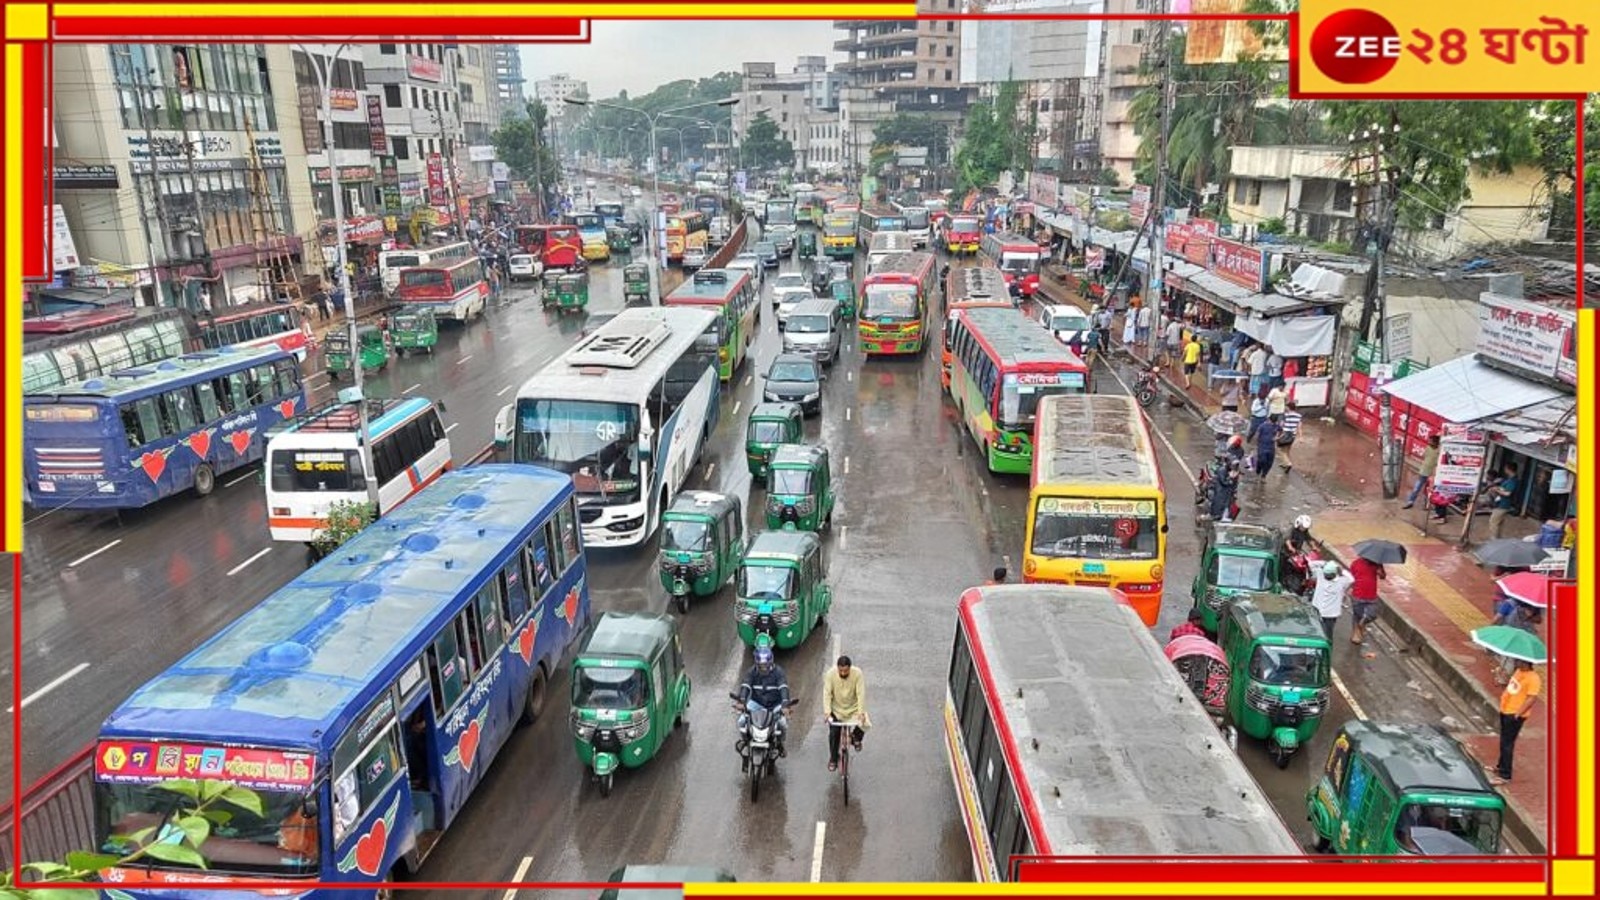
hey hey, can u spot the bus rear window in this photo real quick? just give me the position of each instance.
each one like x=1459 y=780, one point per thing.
x=317 y=471
x=423 y=278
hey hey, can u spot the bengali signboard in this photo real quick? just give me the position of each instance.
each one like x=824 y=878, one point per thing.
x=424 y=69
x=1239 y=264
x=1460 y=464
x=1190 y=240
x=1536 y=339
x=67 y=178
x=63 y=250
x=1094 y=258
x=150 y=762
x=481 y=153
x=1139 y=203
x=346 y=173
x=379 y=137
x=436 y=191
x=310 y=127
x=343 y=99
x=389 y=184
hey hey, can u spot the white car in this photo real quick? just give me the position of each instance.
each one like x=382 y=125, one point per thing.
x=693 y=258
x=1069 y=324
x=589 y=183
x=521 y=266
x=749 y=263
x=638 y=191
x=789 y=291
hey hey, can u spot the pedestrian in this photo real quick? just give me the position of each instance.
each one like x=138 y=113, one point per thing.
x=1430 y=464
x=1174 y=339
x=1191 y=360
x=1236 y=347
x=1091 y=347
x=494 y=282
x=1267 y=446
x=1232 y=394
x=1329 y=594
x=1504 y=494
x=1258 y=412
x=1516 y=704
x=1226 y=484
x=1277 y=400
x=1288 y=432
x=998 y=576
x=1257 y=362
x=1275 y=369
x=1130 y=330
x=1364 y=595
x=1142 y=331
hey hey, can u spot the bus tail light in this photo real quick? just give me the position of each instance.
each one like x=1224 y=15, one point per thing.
x=280 y=510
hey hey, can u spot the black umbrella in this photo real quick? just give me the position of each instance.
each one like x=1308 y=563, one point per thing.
x=1381 y=552
x=1510 y=553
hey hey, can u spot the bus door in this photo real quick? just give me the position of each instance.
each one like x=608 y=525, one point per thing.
x=420 y=735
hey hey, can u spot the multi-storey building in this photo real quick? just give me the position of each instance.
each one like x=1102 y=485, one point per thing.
x=508 y=80
x=480 y=118
x=422 y=125
x=913 y=56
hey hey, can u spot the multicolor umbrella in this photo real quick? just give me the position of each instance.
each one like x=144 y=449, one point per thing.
x=1229 y=423
x=1510 y=553
x=1531 y=588
x=1383 y=553
x=1513 y=642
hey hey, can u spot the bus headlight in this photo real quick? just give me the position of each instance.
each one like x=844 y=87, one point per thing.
x=1156 y=571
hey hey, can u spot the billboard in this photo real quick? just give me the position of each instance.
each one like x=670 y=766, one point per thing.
x=1215 y=41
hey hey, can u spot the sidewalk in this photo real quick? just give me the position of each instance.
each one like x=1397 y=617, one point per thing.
x=1430 y=604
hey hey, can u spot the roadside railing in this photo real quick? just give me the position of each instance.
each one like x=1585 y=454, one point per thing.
x=57 y=814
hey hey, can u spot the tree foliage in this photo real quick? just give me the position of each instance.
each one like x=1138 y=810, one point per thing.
x=1556 y=154
x=912 y=130
x=993 y=140
x=609 y=127
x=523 y=144
x=763 y=146
x=346 y=518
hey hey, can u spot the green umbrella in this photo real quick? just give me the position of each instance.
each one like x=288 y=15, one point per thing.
x=1512 y=642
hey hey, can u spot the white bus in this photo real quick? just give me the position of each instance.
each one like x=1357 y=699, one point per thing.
x=390 y=262
x=314 y=461
x=627 y=411
x=919 y=223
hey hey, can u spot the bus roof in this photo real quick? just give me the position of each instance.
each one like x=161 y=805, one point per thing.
x=344 y=418
x=1006 y=240
x=126 y=382
x=1099 y=439
x=291 y=671
x=1093 y=717
x=623 y=359
x=1016 y=340
x=709 y=286
x=900 y=264
x=978 y=283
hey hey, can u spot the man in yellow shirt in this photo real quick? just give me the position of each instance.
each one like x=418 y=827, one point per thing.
x=1191 y=359
x=844 y=699
x=1516 y=704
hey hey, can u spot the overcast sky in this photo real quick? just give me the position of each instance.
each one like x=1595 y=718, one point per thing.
x=640 y=56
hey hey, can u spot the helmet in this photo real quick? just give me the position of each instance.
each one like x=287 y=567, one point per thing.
x=1330 y=568
x=763 y=656
x=1236 y=441
x=1302 y=522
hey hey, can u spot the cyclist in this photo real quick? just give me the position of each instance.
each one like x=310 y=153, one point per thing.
x=844 y=698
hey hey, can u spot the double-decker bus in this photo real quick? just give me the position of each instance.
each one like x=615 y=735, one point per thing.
x=970 y=287
x=1024 y=720
x=687 y=229
x=559 y=247
x=732 y=294
x=627 y=412
x=962 y=234
x=1017 y=257
x=128 y=438
x=919 y=222
x=871 y=220
x=315 y=461
x=75 y=346
x=1097 y=508
x=258 y=325
x=592 y=231
x=1001 y=364
x=778 y=212
x=362 y=704
x=453 y=290
x=390 y=262
x=611 y=213
x=892 y=316
x=839 y=235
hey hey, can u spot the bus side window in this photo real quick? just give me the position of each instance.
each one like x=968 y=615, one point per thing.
x=445 y=671
x=960 y=675
x=494 y=632
x=974 y=720
x=385 y=459
x=266 y=380
x=288 y=377
x=1004 y=823
x=169 y=415
x=990 y=767
x=132 y=427
x=539 y=556
x=410 y=442
x=222 y=396
x=207 y=393
x=435 y=428
x=472 y=631
x=569 y=534
x=514 y=590
x=239 y=391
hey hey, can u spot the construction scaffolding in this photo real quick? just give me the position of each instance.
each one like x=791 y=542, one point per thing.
x=277 y=276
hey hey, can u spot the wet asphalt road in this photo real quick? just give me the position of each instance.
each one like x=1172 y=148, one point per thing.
x=919 y=519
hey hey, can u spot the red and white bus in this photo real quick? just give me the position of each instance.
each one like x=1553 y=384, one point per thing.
x=1017 y=257
x=1100 y=751
x=560 y=247
x=454 y=290
x=892 y=315
x=257 y=325
x=962 y=234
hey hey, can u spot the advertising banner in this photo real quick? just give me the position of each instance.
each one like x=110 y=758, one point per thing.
x=436 y=190
x=310 y=126
x=1460 y=465
x=379 y=136
x=1139 y=203
x=389 y=184
x=1526 y=336
x=1239 y=264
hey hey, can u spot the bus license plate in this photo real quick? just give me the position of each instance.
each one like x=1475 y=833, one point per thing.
x=1094 y=568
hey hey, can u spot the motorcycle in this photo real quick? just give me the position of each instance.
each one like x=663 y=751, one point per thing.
x=1206 y=486
x=1147 y=387
x=1298 y=569
x=759 y=743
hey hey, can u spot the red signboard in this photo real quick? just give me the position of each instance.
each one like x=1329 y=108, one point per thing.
x=436 y=189
x=1139 y=203
x=343 y=98
x=424 y=69
x=150 y=762
x=379 y=136
x=1187 y=240
x=1244 y=266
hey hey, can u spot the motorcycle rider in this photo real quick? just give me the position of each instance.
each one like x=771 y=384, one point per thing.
x=1299 y=539
x=766 y=687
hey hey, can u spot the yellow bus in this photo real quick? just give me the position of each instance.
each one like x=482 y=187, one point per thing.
x=1097 y=509
x=839 y=235
x=686 y=229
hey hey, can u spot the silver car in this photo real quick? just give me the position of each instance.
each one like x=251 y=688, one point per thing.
x=813 y=330
x=790 y=289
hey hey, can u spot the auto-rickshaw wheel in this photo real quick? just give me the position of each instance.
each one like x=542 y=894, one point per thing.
x=1280 y=754
x=682 y=603
x=1322 y=845
x=605 y=785
x=400 y=352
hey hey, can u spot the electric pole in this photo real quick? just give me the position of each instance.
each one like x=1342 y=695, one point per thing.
x=1158 y=196
x=1381 y=177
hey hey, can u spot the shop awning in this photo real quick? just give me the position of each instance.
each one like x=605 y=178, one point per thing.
x=1465 y=391
x=1542 y=430
x=1292 y=335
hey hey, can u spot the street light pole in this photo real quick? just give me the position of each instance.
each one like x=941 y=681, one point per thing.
x=324 y=78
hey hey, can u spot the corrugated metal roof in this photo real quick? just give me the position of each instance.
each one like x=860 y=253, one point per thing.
x=1550 y=422
x=1465 y=391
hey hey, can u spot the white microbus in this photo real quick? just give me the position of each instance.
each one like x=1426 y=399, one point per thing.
x=627 y=411
x=314 y=461
x=919 y=223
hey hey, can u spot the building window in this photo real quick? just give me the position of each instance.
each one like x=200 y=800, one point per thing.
x=950 y=26
x=949 y=75
x=1238 y=190
x=391 y=96
x=416 y=101
x=402 y=147
x=949 y=50
x=386 y=49
x=1255 y=193
x=1342 y=196
x=1138 y=35
x=466 y=93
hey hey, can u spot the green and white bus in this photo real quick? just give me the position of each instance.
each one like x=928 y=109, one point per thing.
x=732 y=294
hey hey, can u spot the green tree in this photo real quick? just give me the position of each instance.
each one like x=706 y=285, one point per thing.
x=992 y=141
x=763 y=146
x=912 y=130
x=682 y=92
x=524 y=146
x=346 y=518
x=1556 y=147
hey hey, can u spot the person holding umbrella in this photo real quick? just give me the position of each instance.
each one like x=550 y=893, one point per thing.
x=1367 y=571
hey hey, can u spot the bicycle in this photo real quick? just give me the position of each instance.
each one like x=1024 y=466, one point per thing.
x=844 y=752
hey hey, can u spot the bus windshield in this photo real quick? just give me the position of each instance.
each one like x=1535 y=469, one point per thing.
x=1019 y=263
x=1019 y=403
x=596 y=442
x=838 y=229
x=889 y=302
x=916 y=219
x=400 y=260
x=598 y=688
x=587 y=221
x=1073 y=528
x=272 y=843
x=315 y=471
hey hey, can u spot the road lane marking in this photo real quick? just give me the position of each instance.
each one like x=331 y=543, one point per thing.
x=463 y=359
x=88 y=556
x=237 y=480
x=1338 y=684
x=709 y=469
x=522 y=871
x=748 y=379
x=847 y=413
x=410 y=389
x=816 y=855
x=58 y=682
x=847 y=465
x=849 y=376
x=451 y=427
x=240 y=567
x=502 y=391
x=736 y=405
x=842 y=530
x=1188 y=473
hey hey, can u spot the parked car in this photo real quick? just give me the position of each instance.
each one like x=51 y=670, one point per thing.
x=693 y=258
x=1069 y=324
x=524 y=266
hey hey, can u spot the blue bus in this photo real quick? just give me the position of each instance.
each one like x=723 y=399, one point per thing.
x=364 y=701
x=128 y=438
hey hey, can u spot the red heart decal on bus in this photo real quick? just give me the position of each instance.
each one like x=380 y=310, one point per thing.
x=569 y=609
x=286 y=408
x=241 y=440
x=369 y=850
x=468 y=745
x=525 y=641
x=154 y=463
x=200 y=442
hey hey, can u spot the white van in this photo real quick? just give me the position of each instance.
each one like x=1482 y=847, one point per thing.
x=814 y=329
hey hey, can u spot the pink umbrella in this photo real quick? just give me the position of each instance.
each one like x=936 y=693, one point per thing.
x=1531 y=588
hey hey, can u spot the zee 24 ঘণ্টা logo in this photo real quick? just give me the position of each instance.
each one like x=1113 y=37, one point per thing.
x=1359 y=46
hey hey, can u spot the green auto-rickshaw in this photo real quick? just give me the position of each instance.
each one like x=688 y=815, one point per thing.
x=1236 y=557
x=1282 y=667
x=702 y=541
x=374 y=349
x=636 y=284
x=570 y=292
x=770 y=425
x=629 y=691
x=844 y=293
x=799 y=488
x=1403 y=789
x=781 y=592
x=806 y=244
x=618 y=240
x=413 y=330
